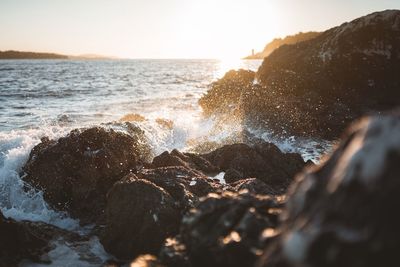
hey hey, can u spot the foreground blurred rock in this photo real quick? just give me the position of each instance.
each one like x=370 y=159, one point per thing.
x=345 y=212
x=226 y=229
x=76 y=171
x=317 y=87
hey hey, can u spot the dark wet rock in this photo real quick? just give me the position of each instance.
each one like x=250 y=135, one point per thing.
x=185 y=185
x=29 y=241
x=345 y=211
x=18 y=242
x=145 y=208
x=263 y=161
x=232 y=175
x=76 y=171
x=140 y=215
x=188 y=160
x=224 y=229
x=317 y=87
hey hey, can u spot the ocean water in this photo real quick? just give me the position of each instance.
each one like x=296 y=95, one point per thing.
x=51 y=97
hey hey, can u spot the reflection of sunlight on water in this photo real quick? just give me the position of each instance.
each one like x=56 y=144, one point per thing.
x=226 y=64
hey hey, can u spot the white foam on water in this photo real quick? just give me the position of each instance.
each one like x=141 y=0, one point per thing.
x=20 y=203
x=15 y=200
x=220 y=177
x=309 y=149
x=186 y=129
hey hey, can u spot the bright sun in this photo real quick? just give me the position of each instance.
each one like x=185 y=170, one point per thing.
x=228 y=63
x=223 y=29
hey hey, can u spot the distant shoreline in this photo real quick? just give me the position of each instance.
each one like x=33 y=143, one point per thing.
x=22 y=55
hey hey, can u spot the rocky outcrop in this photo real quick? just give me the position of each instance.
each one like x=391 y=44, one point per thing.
x=140 y=215
x=146 y=208
x=263 y=161
x=317 y=87
x=185 y=185
x=76 y=172
x=345 y=212
x=225 y=229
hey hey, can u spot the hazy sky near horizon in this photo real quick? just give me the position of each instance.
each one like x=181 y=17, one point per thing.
x=168 y=28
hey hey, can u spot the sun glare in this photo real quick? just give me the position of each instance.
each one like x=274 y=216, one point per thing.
x=228 y=63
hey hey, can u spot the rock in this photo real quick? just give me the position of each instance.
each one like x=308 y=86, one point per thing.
x=140 y=215
x=345 y=212
x=188 y=160
x=31 y=241
x=76 y=171
x=138 y=196
x=18 y=242
x=317 y=87
x=232 y=175
x=185 y=185
x=224 y=229
x=159 y=197
x=263 y=161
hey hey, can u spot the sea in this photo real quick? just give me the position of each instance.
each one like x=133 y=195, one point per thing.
x=51 y=97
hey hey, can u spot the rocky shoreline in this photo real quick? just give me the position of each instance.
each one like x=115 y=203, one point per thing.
x=319 y=86
x=171 y=212
x=241 y=204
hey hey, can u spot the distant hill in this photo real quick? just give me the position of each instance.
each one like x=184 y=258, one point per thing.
x=11 y=54
x=278 y=42
x=29 y=55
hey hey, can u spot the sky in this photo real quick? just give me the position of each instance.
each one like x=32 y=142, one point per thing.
x=168 y=28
